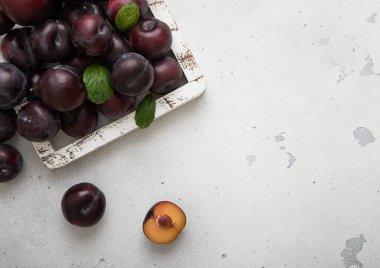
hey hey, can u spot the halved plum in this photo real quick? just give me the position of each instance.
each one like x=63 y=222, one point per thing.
x=164 y=222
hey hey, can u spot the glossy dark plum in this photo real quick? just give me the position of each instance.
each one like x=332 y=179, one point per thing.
x=167 y=75
x=12 y=86
x=115 y=5
x=36 y=122
x=81 y=121
x=83 y=204
x=119 y=46
x=30 y=12
x=62 y=88
x=132 y=74
x=34 y=90
x=11 y=162
x=118 y=106
x=17 y=49
x=7 y=124
x=73 y=12
x=79 y=61
x=5 y=23
x=51 y=41
x=151 y=38
x=92 y=35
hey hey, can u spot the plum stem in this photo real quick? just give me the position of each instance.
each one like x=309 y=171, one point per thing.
x=148 y=26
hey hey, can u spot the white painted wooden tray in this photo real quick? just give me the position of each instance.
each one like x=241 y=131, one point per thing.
x=55 y=158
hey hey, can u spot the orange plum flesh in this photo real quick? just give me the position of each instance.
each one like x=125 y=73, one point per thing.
x=164 y=222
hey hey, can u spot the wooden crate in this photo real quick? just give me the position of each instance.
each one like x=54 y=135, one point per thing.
x=195 y=87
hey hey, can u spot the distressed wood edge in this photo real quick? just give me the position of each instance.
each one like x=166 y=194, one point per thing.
x=119 y=128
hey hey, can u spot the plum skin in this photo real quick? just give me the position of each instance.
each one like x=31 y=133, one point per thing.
x=7 y=124
x=91 y=35
x=79 y=61
x=5 y=23
x=13 y=85
x=51 y=41
x=37 y=123
x=167 y=75
x=30 y=12
x=132 y=74
x=71 y=13
x=120 y=45
x=11 y=162
x=34 y=91
x=81 y=121
x=62 y=88
x=117 y=106
x=17 y=49
x=151 y=38
x=83 y=204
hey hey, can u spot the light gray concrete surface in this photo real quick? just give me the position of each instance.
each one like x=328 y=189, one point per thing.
x=277 y=165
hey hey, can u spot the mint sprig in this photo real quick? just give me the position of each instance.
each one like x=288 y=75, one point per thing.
x=145 y=112
x=127 y=16
x=96 y=79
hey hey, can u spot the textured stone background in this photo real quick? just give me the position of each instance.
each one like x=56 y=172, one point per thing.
x=277 y=165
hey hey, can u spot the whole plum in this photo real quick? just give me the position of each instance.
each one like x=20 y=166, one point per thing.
x=91 y=35
x=132 y=74
x=11 y=162
x=17 y=49
x=62 y=88
x=30 y=12
x=151 y=38
x=37 y=123
x=12 y=86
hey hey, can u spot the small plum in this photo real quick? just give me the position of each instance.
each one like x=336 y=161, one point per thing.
x=164 y=222
x=83 y=204
x=81 y=121
x=79 y=61
x=17 y=49
x=7 y=124
x=62 y=88
x=37 y=123
x=92 y=35
x=132 y=74
x=34 y=90
x=151 y=38
x=117 y=106
x=11 y=162
x=51 y=41
x=167 y=75
x=120 y=45
x=30 y=12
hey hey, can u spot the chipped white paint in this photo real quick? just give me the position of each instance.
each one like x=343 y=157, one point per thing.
x=364 y=136
x=195 y=87
x=349 y=254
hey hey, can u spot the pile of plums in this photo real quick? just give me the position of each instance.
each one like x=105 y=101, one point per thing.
x=56 y=43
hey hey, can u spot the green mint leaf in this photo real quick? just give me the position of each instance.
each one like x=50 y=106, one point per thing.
x=145 y=112
x=127 y=16
x=96 y=79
